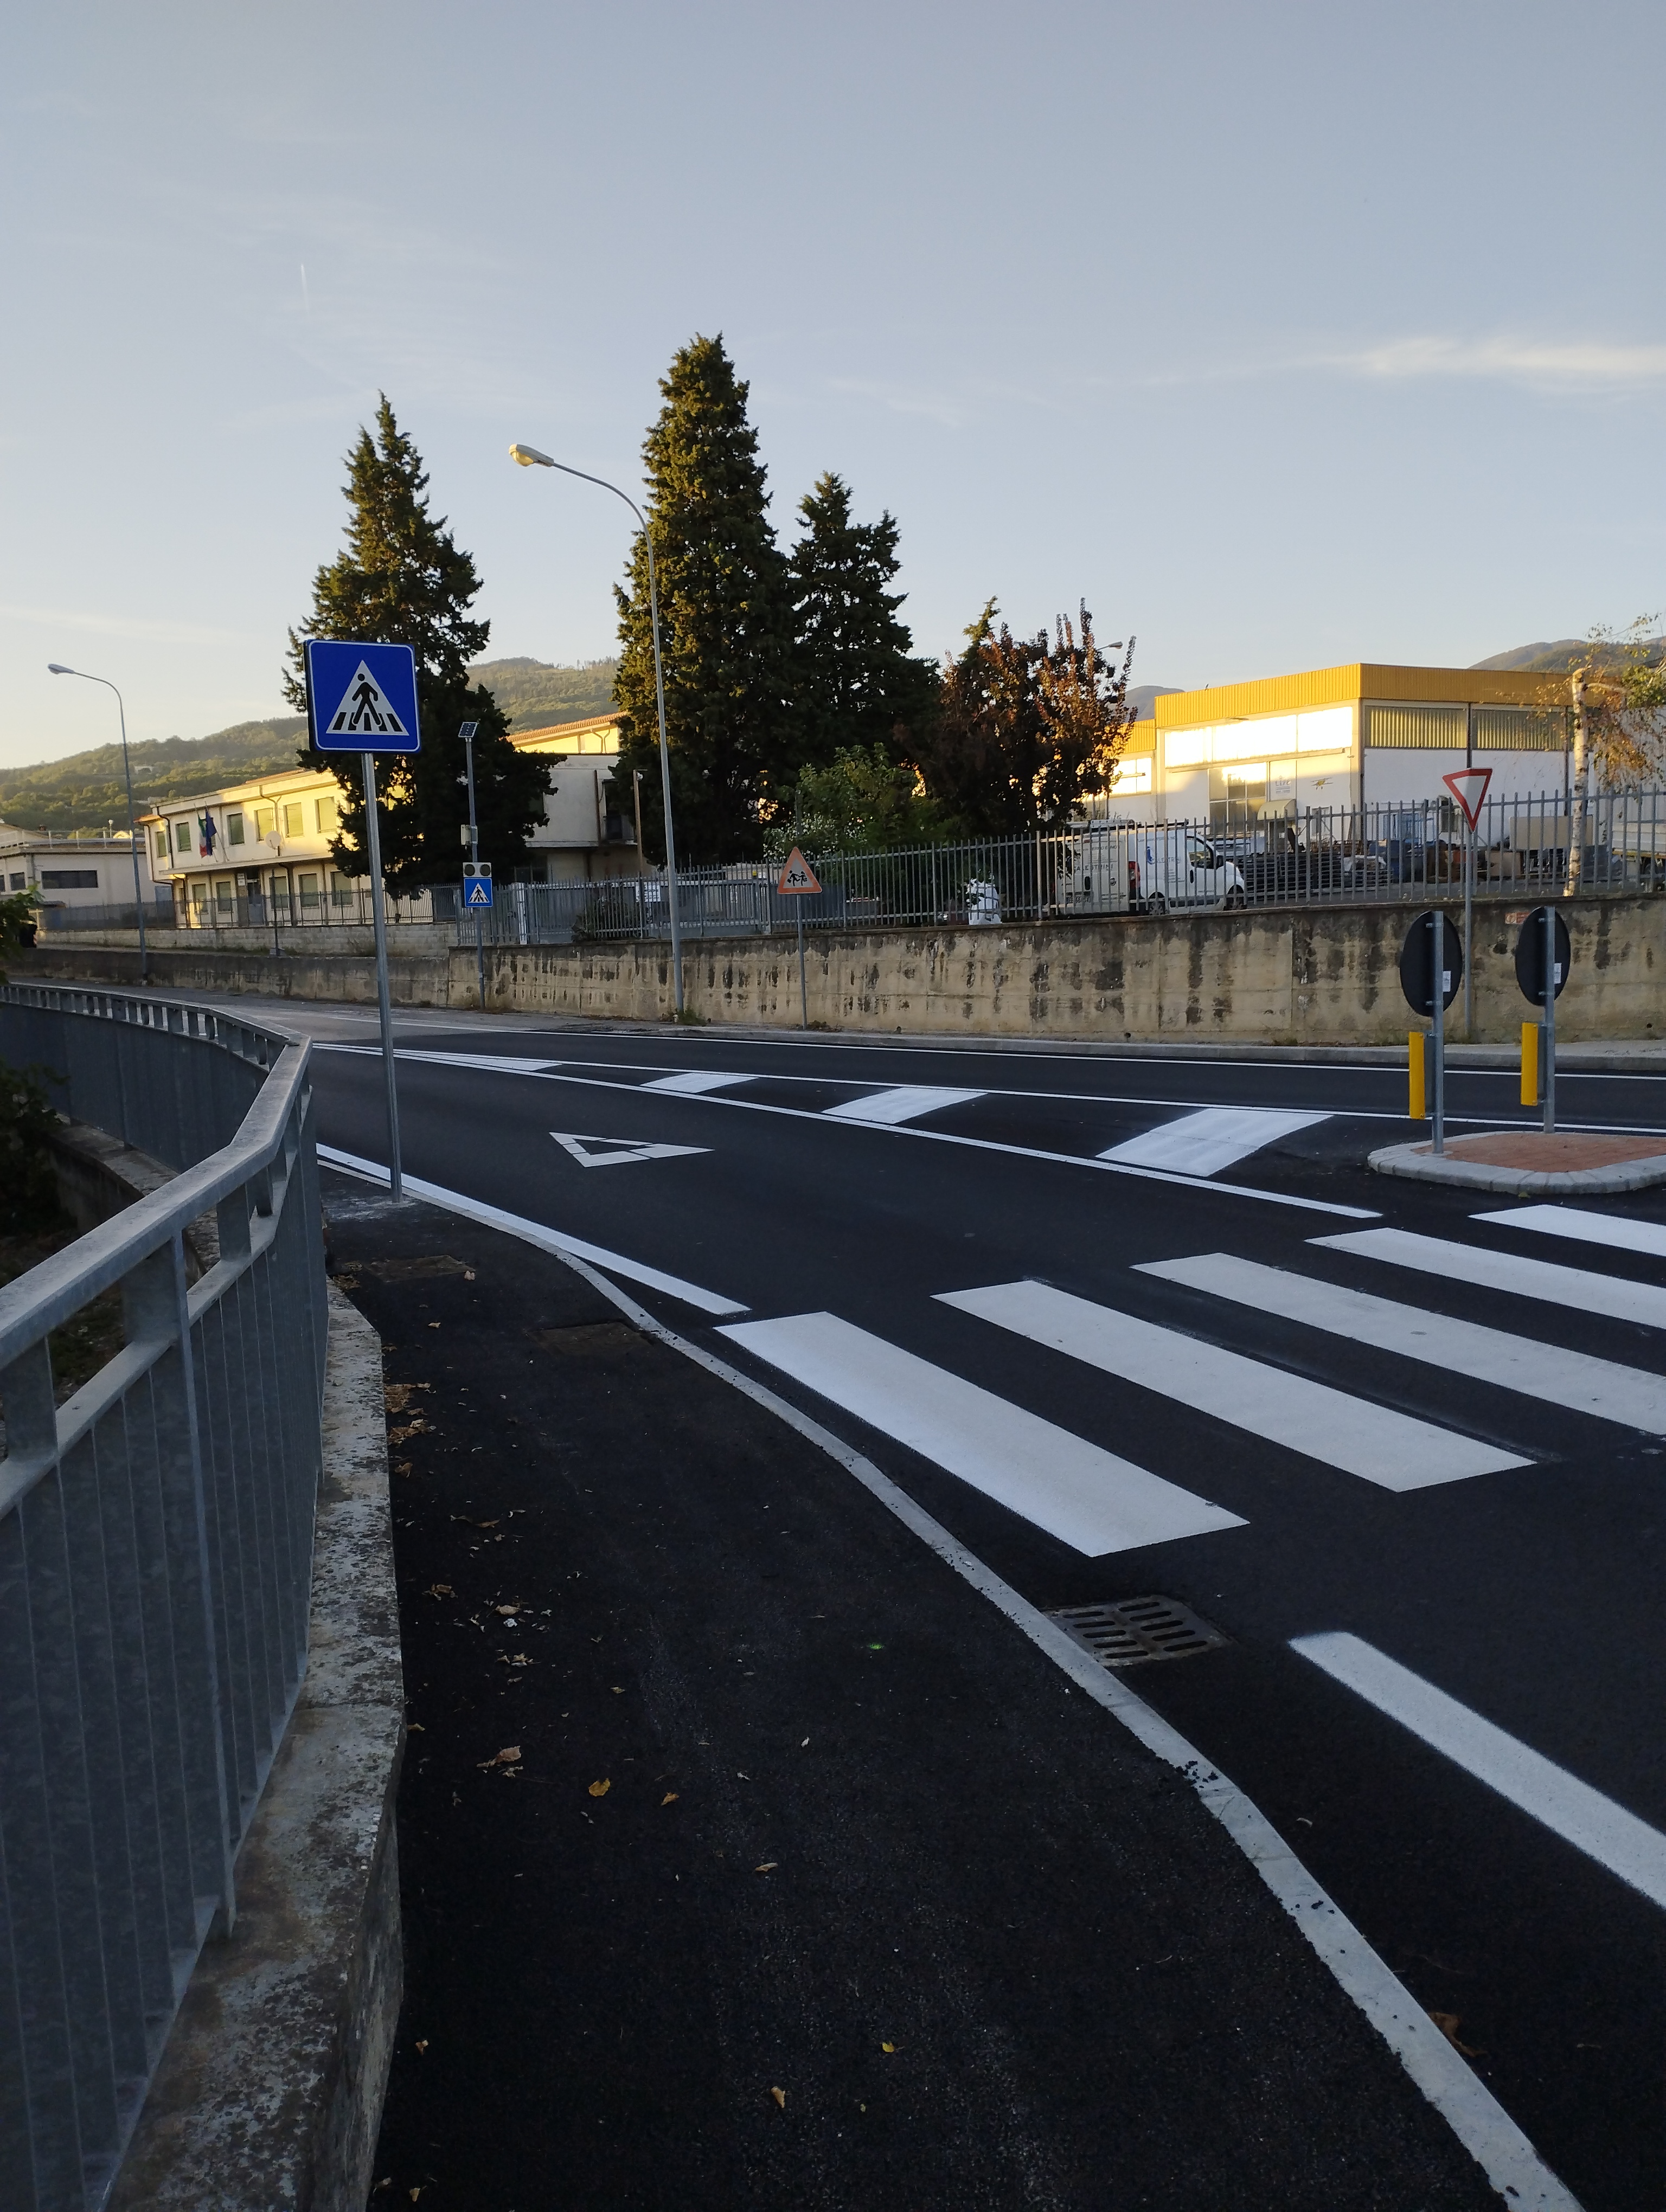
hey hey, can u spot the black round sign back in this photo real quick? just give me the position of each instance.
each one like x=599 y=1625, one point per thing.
x=1530 y=955
x=1417 y=962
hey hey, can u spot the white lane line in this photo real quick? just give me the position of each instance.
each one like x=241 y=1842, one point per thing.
x=1569 y=1809
x=1390 y=1448
x=495 y=1063
x=1083 y=1496
x=1572 y=1380
x=902 y=1102
x=694 y=1080
x=1576 y=1289
x=1012 y=1152
x=1610 y=1229
x=534 y=1232
x=1214 y=1138
x=1464 y=2102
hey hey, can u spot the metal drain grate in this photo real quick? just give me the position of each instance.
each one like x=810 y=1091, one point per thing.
x=1137 y=1629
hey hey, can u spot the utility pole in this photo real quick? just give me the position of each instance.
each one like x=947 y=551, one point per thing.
x=466 y=733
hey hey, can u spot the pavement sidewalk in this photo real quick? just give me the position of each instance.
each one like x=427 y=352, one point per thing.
x=751 y=1860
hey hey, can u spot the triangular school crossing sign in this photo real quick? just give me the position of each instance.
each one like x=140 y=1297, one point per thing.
x=798 y=876
x=1469 y=787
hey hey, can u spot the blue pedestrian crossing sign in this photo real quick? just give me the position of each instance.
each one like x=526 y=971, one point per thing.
x=476 y=884
x=361 y=698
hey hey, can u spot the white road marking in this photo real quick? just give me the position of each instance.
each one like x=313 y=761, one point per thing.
x=619 y=1151
x=1576 y=1289
x=1390 y=1448
x=1569 y=1809
x=1083 y=1495
x=694 y=1080
x=902 y=1102
x=1613 y=1229
x=1464 y=2102
x=1214 y=1138
x=534 y=1232
x=1572 y=1380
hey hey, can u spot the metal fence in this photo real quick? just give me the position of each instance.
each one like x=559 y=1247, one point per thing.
x=1375 y=855
x=336 y=908
x=155 y=1558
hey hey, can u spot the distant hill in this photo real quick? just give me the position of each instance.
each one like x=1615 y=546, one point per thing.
x=535 y=693
x=86 y=791
x=1143 y=697
x=1556 y=655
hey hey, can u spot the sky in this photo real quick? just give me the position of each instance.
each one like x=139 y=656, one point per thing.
x=1280 y=334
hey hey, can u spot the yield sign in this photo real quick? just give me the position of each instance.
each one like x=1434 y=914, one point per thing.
x=611 y=1152
x=798 y=875
x=1469 y=787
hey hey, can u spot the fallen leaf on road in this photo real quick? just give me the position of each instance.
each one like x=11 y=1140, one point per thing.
x=397 y=1395
x=805 y=1746
x=515 y=1659
x=439 y=1589
x=780 y=2096
x=600 y=1789
x=670 y=1797
x=768 y=1867
x=417 y=1725
x=401 y=1467
x=417 y=1428
x=509 y=1756
x=468 y=1274
x=617 y=1688
x=887 y=2046
x=512 y=1606
x=422 y=2046
x=1449 y=2023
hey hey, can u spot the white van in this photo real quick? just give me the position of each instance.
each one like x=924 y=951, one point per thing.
x=1108 y=867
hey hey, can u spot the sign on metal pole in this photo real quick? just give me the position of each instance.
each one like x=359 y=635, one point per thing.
x=1544 y=954
x=476 y=886
x=798 y=880
x=797 y=876
x=1469 y=787
x=1431 y=970
x=361 y=698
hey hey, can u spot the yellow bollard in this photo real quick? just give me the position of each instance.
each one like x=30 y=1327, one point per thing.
x=1529 y=1063
x=1418 y=1084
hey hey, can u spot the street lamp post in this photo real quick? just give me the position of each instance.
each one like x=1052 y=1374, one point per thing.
x=56 y=668
x=466 y=731
x=530 y=458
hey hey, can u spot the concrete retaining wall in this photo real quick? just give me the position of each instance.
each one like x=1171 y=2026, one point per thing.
x=1310 y=975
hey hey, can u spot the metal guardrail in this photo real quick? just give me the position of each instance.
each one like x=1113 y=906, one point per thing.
x=1369 y=855
x=330 y=909
x=155 y=1561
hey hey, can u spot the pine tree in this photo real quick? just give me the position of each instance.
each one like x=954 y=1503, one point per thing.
x=403 y=580
x=1027 y=728
x=724 y=621
x=856 y=685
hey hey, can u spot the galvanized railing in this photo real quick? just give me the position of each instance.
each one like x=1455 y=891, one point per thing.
x=1267 y=857
x=335 y=908
x=155 y=1559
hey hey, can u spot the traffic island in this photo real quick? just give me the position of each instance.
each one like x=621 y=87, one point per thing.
x=1536 y=1162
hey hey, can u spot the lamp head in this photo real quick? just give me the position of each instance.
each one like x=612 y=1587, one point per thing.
x=56 y=668
x=530 y=458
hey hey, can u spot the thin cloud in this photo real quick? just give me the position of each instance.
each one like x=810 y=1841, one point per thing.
x=130 y=626
x=1587 y=364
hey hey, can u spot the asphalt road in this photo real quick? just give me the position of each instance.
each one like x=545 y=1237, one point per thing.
x=1414 y=1485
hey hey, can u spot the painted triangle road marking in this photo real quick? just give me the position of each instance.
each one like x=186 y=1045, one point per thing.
x=611 y=1152
x=366 y=709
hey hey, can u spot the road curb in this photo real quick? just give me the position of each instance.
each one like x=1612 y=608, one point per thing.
x=1416 y=1164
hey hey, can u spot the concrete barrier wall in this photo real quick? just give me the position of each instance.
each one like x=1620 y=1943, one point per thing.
x=1310 y=975
x=1315 y=975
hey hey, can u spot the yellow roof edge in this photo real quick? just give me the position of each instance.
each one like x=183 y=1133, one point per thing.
x=1361 y=679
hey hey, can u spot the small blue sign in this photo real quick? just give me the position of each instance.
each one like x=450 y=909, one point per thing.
x=477 y=891
x=361 y=698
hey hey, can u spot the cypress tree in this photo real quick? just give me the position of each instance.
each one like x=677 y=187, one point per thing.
x=856 y=684
x=403 y=580
x=725 y=620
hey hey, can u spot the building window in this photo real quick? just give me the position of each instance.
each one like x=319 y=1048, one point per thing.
x=234 y=826
x=292 y=820
x=324 y=814
x=265 y=821
x=1421 y=729
x=162 y=844
x=184 y=837
x=20 y=883
x=68 y=880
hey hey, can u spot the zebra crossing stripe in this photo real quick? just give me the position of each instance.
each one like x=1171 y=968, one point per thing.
x=1084 y=1496
x=1579 y=1290
x=1612 y=1229
x=1392 y=1449
x=1215 y=1137
x=1572 y=1380
x=902 y=1102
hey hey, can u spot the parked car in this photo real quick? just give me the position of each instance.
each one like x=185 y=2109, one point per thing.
x=1110 y=868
